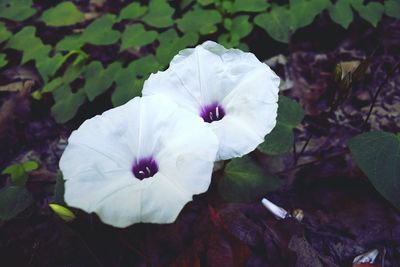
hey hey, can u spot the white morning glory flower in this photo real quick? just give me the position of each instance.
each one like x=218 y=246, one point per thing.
x=140 y=162
x=232 y=91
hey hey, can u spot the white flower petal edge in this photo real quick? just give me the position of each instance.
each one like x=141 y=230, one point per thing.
x=99 y=160
x=231 y=90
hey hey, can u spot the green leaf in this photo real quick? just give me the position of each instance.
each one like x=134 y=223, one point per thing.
x=341 y=13
x=280 y=140
x=100 y=31
x=250 y=5
x=145 y=65
x=135 y=36
x=3 y=60
x=228 y=40
x=206 y=2
x=16 y=10
x=64 y=213
x=32 y=47
x=303 y=12
x=4 y=33
x=70 y=42
x=392 y=8
x=64 y=14
x=275 y=23
x=377 y=154
x=171 y=44
x=245 y=181
x=17 y=174
x=72 y=72
x=241 y=27
x=159 y=14
x=30 y=165
x=129 y=81
x=67 y=103
x=47 y=66
x=372 y=12
x=13 y=200
x=127 y=87
x=98 y=79
x=200 y=20
x=132 y=11
x=59 y=190
x=226 y=6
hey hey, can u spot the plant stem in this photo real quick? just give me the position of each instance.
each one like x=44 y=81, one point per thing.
x=378 y=91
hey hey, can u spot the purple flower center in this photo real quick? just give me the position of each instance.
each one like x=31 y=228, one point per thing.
x=145 y=168
x=213 y=112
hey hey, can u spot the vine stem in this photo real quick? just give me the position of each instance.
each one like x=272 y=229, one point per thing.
x=378 y=91
x=296 y=158
x=340 y=153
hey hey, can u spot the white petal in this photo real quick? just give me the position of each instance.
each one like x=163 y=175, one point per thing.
x=246 y=88
x=97 y=163
x=122 y=208
x=187 y=153
x=162 y=201
x=251 y=113
x=87 y=189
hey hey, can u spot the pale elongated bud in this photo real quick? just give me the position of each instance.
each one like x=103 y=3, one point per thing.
x=367 y=257
x=278 y=212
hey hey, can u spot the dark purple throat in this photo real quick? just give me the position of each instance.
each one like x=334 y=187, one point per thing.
x=145 y=168
x=213 y=112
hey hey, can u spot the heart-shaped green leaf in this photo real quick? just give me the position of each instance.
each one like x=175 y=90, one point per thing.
x=3 y=60
x=47 y=66
x=377 y=154
x=276 y=23
x=392 y=8
x=100 y=31
x=200 y=20
x=17 y=174
x=245 y=181
x=59 y=190
x=135 y=35
x=70 y=42
x=32 y=47
x=132 y=11
x=4 y=33
x=250 y=5
x=171 y=44
x=127 y=87
x=280 y=140
x=241 y=26
x=64 y=14
x=98 y=79
x=13 y=200
x=67 y=103
x=341 y=13
x=372 y=12
x=206 y=2
x=30 y=165
x=303 y=12
x=16 y=10
x=159 y=14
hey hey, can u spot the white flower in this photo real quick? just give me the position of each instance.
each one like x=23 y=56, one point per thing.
x=234 y=93
x=140 y=162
